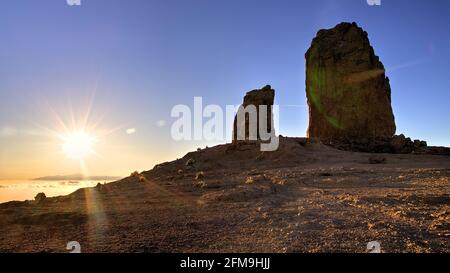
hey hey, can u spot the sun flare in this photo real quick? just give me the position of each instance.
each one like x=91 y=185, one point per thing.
x=78 y=145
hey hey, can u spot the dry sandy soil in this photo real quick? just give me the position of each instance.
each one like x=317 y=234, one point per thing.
x=302 y=198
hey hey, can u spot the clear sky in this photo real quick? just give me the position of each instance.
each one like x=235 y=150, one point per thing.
x=131 y=61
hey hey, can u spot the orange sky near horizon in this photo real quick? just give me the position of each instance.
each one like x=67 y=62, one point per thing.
x=39 y=151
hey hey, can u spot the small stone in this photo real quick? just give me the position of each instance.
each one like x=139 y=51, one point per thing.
x=100 y=187
x=190 y=162
x=200 y=176
x=249 y=180
x=281 y=182
x=200 y=184
x=40 y=197
x=135 y=174
x=376 y=159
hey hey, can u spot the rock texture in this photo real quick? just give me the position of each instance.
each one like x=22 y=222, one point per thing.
x=264 y=96
x=396 y=145
x=349 y=96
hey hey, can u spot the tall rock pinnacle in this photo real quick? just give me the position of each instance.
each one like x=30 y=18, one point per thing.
x=349 y=95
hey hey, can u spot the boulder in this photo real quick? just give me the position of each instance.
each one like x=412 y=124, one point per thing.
x=40 y=197
x=349 y=95
x=417 y=143
x=398 y=143
x=402 y=145
x=376 y=159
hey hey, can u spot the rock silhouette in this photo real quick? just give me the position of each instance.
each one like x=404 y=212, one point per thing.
x=258 y=97
x=349 y=95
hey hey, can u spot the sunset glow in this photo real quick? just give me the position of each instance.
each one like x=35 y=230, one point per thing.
x=78 y=145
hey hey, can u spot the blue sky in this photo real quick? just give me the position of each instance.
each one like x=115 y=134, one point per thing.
x=142 y=57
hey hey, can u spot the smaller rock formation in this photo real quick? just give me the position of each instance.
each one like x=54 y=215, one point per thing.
x=256 y=98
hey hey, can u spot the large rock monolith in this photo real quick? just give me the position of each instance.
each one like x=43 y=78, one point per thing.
x=349 y=95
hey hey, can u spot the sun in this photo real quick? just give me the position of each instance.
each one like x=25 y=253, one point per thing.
x=78 y=145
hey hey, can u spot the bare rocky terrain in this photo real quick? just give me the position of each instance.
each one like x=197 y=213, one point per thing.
x=305 y=197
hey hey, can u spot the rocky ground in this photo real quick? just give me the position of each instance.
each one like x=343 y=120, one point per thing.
x=232 y=198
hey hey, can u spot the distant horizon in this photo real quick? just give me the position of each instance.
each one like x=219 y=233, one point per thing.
x=76 y=177
x=66 y=177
